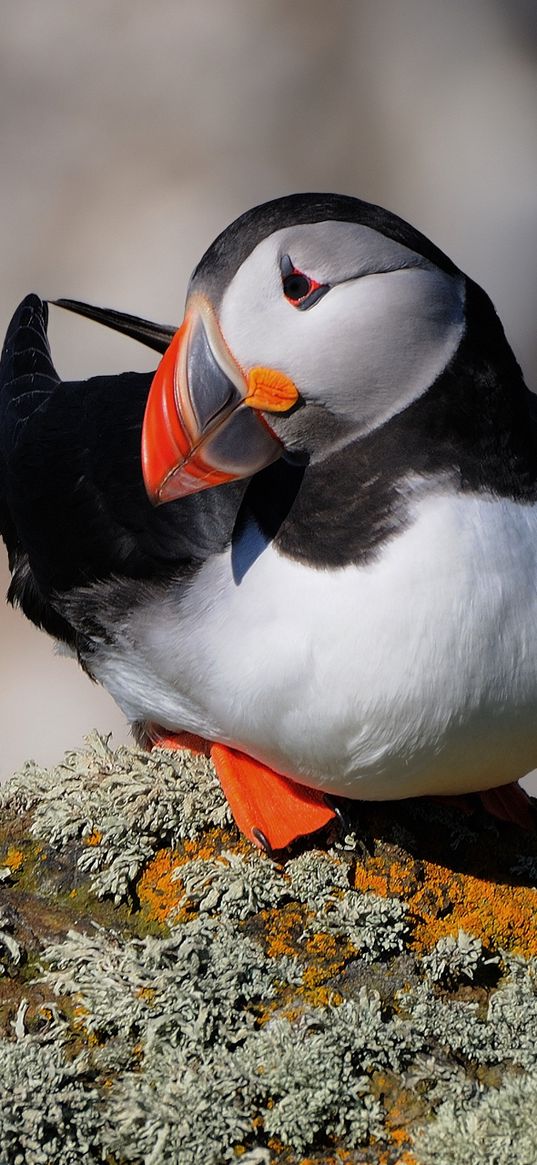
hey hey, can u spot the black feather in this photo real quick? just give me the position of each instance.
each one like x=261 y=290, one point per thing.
x=73 y=507
x=156 y=336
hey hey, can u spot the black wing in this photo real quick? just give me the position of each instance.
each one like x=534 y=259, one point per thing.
x=73 y=507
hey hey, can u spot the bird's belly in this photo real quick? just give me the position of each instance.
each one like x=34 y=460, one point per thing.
x=416 y=673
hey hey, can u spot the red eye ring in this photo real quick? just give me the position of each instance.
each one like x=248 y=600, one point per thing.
x=298 y=287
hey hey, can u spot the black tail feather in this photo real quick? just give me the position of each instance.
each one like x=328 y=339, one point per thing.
x=156 y=336
x=26 y=364
x=27 y=378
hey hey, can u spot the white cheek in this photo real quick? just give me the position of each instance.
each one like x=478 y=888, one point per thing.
x=366 y=350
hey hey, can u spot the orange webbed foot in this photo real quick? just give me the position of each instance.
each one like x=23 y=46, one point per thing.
x=160 y=738
x=271 y=810
x=510 y=803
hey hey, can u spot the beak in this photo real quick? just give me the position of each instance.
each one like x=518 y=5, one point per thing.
x=203 y=423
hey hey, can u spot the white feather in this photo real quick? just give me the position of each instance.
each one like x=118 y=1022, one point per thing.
x=387 y=328
x=414 y=674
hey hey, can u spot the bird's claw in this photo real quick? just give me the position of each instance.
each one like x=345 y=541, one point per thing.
x=335 y=805
x=348 y=826
x=262 y=842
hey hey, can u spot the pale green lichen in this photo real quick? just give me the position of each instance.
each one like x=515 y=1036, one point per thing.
x=207 y=1070
x=316 y=878
x=312 y=1076
x=199 y=1045
x=127 y=802
x=238 y=885
x=49 y=1112
x=377 y=926
x=191 y=988
x=506 y=1033
x=181 y=1109
x=234 y=885
x=10 y=949
x=496 y=1127
x=455 y=959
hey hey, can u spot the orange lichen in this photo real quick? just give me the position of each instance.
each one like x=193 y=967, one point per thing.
x=146 y=993
x=283 y=928
x=322 y=996
x=402 y=1105
x=14 y=858
x=206 y=848
x=328 y=955
x=326 y=947
x=211 y=844
x=405 y=1158
x=386 y=878
x=274 y=1143
x=442 y=901
x=325 y=956
x=157 y=892
x=93 y=838
x=80 y=1011
x=283 y=934
x=399 y=1138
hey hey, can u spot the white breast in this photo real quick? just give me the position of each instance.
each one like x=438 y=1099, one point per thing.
x=414 y=674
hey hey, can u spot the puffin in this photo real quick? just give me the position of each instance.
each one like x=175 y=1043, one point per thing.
x=307 y=545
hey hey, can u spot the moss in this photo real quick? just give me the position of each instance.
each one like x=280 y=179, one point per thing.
x=27 y=870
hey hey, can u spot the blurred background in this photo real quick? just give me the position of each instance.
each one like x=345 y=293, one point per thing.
x=131 y=133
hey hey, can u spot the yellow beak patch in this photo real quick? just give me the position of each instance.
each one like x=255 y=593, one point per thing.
x=270 y=391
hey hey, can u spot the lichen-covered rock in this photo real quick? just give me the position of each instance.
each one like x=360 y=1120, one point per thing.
x=168 y=995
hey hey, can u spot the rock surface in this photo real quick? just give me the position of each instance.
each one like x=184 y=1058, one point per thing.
x=169 y=995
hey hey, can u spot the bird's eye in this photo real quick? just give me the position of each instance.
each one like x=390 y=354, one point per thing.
x=298 y=288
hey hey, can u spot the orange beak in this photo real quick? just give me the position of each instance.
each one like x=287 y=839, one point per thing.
x=203 y=424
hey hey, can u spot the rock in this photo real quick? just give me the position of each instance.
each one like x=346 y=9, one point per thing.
x=170 y=995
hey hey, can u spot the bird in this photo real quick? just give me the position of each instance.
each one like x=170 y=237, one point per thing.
x=310 y=537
